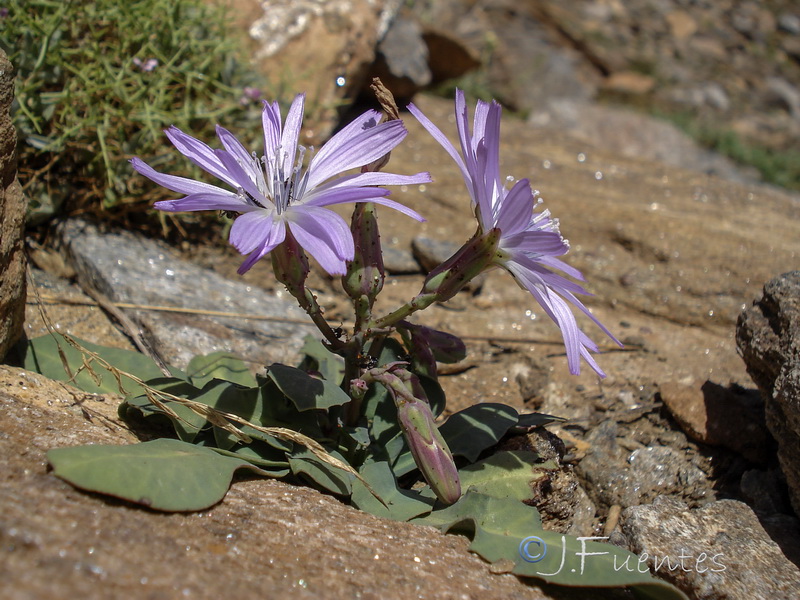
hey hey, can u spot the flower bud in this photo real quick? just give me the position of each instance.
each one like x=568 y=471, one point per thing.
x=474 y=257
x=290 y=265
x=365 y=273
x=429 y=449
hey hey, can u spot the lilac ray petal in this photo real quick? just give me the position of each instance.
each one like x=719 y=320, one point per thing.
x=271 y=122
x=580 y=305
x=237 y=151
x=181 y=185
x=324 y=235
x=376 y=178
x=199 y=153
x=440 y=137
x=257 y=229
x=560 y=265
x=361 y=149
x=291 y=132
x=537 y=242
x=363 y=122
x=203 y=201
x=592 y=362
x=242 y=175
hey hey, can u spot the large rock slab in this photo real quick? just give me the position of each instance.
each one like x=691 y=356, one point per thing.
x=135 y=270
x=12 y=220
x=768 y=338
x=265 y=538
x=719 y=551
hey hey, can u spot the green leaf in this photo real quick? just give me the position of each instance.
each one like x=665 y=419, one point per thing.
x=187 y=424
x=509 y=530
x=472 y=430
x=219 y=365
x=329 y=364
x=505 y=474
x=42 y=356
x=305 y=391
x=529 y=420
x=325 y=476
x=401 y=505
x=164 y=474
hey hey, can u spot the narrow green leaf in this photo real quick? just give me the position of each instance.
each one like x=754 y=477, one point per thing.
x=164 y=474
x=305 y=391
x=528 y=420
x=401 y=505
x=472 y=430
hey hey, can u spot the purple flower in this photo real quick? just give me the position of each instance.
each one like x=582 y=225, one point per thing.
x=148 y=65
x=276 y=191
x=529 y=241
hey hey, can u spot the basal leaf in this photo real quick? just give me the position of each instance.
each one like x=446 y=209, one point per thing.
x=219 y=365
x=187 y=424
x=305 y=391
x=528 y=420
x=504 y=475
x=472 y=430
x=325 y=476
x=42 y=356
x=330 y=365
x=506 y=529
x=164 y=474
x=401 y=505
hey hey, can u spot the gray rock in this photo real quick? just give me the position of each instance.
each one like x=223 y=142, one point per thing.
x=768 y=338
x=615 y=475
x=719 y=551
x=402 y=62
x=399 y=261
x=131 y=269
x=13 y=204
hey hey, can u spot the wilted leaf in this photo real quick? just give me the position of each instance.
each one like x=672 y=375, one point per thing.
x=164 y=474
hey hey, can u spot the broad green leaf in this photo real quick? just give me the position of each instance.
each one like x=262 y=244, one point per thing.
x=401 y=505
x=219 y=365
x=305 y=391
x=164 y=474
x=42 y=356
x=472 y=430
x=187 y=424
x=505 y=474
x=329 y=364
x=325 y=476
x=507 y=529
x=528 y=420
x=264 y=457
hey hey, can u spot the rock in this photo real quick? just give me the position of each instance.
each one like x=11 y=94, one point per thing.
x=136 y=270
x=265 y=535
x=399 y=261
x=629 y=82
x=783 y=94
x=633 y=135
x=326 y=48
x=402 y=61
x=768 y=338
x=616 y=475
x=716 y=552
x=13 y=204
x=718 y=416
